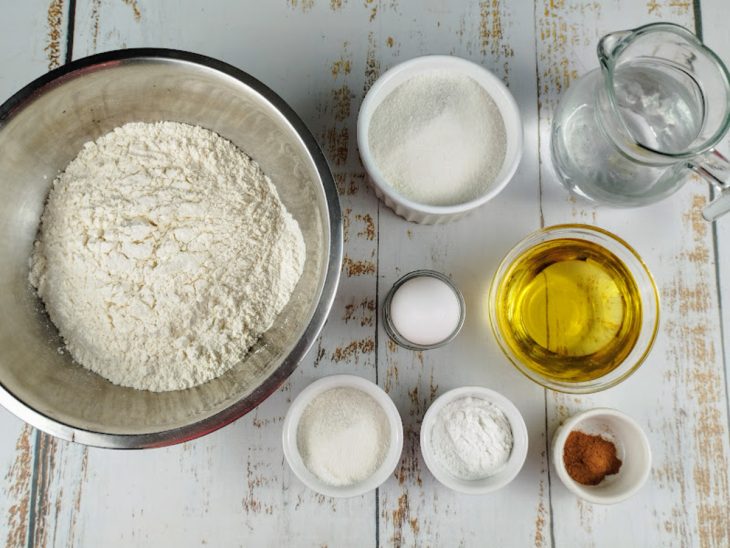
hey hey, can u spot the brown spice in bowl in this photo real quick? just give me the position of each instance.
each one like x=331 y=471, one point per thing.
x=589 y=459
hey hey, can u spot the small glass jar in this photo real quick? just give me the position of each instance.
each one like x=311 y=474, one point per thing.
x=424 y=313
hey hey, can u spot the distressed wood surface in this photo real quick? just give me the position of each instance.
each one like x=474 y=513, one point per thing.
x=679 y=394
x=38 y=43
x=716 y=36
x=233 y=487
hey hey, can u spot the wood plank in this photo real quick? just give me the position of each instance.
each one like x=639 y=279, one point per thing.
x=679 y=394
x=32 y=40
x=715 y=35
x=16 y=465
x=233 y=487
x=415 y=510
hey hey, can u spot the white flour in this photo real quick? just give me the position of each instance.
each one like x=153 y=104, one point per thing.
x=343 y=436
x=164 y=253
x=471 y=438
x=438 y=138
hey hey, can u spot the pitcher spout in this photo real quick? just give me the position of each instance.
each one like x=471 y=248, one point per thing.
x=611 y=45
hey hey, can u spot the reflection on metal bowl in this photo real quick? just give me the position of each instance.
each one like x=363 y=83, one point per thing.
x=42 y=128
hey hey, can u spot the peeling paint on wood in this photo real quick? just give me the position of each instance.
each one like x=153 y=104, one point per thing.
x=373 y=9
x=705 y=384
x=357 y=268
x=76 y=510
x=362 y=313
x=560 y=34
x=305 y=5
x=341 y=48
x=95 y=14
x=135 y=9
x=255 y=480
x=372 y=63
x=45 y=464
x=662 y=8
x=540 y=519
x=368 y=231
x=55 y=23
x=686 y=400
x=349 y=184
x=342 y=101
x=400 y=516
x=491 y=15
x=18 y=480
x=346 y=224
x=353 y=350
x=337 y=143
x=343 y=65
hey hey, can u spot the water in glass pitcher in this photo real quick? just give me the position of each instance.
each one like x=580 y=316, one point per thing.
x=661 y=105
x=662 y=109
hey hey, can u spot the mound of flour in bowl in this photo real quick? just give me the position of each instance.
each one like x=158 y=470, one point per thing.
x=164 y=253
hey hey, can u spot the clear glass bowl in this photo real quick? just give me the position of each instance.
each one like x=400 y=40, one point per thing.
x=647 y=293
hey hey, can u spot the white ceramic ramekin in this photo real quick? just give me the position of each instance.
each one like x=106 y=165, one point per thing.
x=632 y=447
x=428 y=214
x=517 y=456
x=291 y=424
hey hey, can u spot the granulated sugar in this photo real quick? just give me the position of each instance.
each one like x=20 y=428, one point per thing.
x=438 y=139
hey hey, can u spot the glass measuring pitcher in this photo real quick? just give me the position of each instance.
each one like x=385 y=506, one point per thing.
x=629 y=133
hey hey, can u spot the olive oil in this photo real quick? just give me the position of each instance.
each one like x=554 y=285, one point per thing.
x=569 y=310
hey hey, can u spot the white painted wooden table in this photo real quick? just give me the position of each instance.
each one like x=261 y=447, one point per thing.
x=233 y=487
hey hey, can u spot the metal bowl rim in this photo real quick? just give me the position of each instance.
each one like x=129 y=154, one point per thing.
x=242 y=406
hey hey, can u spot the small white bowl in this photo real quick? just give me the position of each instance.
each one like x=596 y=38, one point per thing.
x=632 y=447
x=291 y=425
x=403 y=206
x=517 y=456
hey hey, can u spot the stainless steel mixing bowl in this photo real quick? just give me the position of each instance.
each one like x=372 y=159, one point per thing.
x=42 y=128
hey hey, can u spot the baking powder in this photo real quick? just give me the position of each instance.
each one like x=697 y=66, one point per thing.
x=471 y=438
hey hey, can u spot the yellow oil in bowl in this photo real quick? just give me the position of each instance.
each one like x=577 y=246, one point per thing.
x=569 y=310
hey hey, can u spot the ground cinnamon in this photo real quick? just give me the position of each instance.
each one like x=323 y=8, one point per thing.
x=588 y=459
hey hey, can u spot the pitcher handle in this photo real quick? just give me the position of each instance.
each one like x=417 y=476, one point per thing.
x=715 y=168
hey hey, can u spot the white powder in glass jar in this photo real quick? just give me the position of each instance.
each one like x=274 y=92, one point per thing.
x=164 y=253
x=425 y=310
x=438 y=138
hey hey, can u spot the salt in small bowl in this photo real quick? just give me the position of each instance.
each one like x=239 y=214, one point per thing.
x=426 y=315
